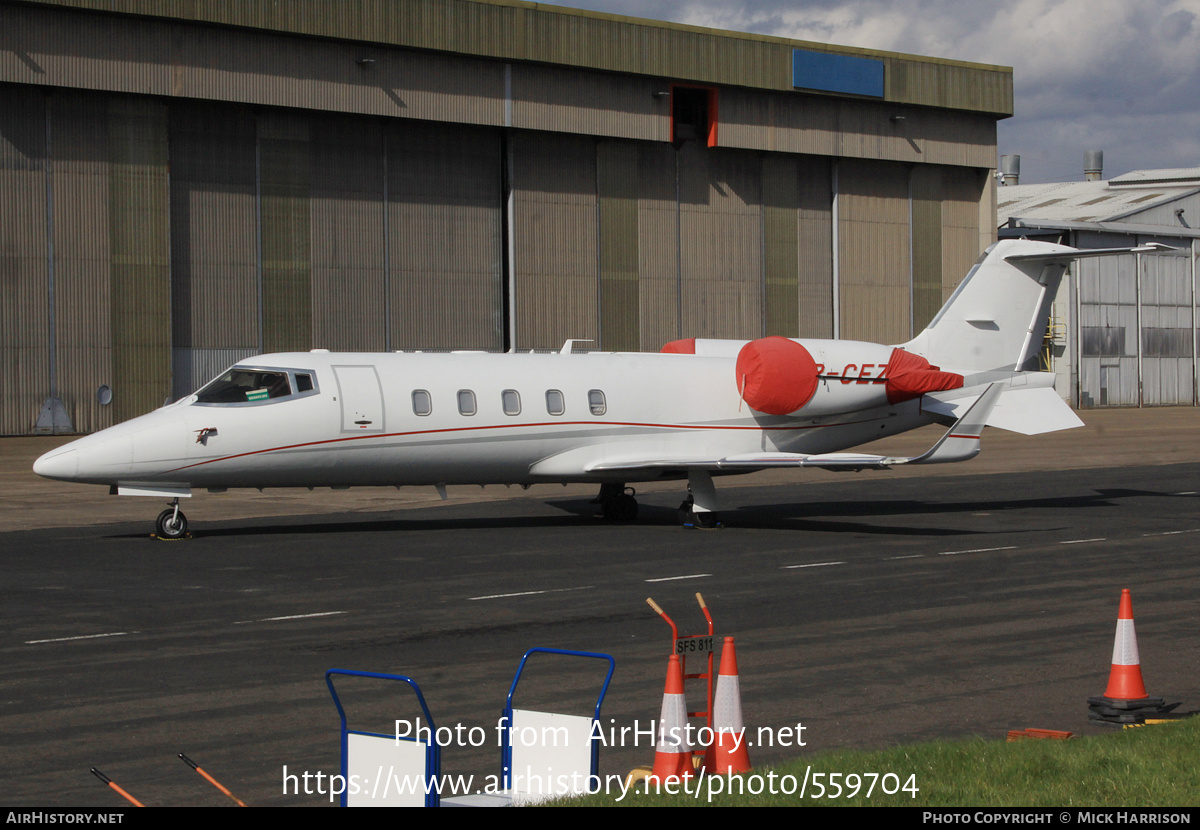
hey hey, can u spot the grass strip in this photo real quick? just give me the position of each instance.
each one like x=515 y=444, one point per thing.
x=1152 y=766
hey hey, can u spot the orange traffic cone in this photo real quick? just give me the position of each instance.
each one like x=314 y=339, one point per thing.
x=1125 y=700
x=673 y=754
x=728 y=754
x=1125 y=679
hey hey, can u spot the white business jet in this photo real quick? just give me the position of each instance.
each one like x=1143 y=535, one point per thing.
x=698 y=409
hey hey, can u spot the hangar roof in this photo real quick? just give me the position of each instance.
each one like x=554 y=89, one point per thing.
x=537 y=32
x=1098 y=201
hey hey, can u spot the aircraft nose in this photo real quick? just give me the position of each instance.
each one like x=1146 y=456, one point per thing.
x=61 y=464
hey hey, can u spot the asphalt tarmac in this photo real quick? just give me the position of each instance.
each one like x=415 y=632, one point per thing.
x=873 y=609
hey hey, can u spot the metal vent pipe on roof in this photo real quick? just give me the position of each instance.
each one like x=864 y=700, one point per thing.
x=1010 y=170
x=1093 y=165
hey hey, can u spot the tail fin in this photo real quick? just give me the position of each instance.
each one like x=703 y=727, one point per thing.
x=996 y=317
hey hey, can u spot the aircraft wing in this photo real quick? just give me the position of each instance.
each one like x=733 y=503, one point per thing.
x=752 y=462
x=960 y=443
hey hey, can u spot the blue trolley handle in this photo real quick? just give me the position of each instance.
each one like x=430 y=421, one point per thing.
x=433 y=755
x=506 y=745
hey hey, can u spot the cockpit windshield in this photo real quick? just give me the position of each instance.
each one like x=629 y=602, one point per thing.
x=242 y=385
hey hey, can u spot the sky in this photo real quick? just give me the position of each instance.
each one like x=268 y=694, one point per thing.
x=1122 y=76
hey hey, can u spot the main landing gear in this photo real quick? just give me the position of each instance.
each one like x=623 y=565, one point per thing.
x=617 y=502
x=171 y=523
x=690 y=517
x=699 y=509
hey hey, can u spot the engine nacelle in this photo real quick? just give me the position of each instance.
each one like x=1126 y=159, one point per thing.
x=813 y=378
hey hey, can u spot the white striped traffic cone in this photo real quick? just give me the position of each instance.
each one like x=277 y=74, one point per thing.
x=673 y=754
x=1125 y=679
x=1125 y=700
x=728 y=755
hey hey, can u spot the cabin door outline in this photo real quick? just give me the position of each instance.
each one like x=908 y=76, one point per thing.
x=361 y=397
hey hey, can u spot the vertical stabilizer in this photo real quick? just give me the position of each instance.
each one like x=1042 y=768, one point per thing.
x=996 y=317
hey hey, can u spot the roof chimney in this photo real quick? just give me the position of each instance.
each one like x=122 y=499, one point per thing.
x=1010 y=170
x=1093 y=165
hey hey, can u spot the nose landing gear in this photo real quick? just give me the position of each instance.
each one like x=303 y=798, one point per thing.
x=171 y=524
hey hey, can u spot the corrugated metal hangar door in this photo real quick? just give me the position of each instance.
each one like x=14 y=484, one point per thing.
x=1136 y=329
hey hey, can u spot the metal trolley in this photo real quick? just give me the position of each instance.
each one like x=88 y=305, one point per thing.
x=550 y=763
x=412 y=766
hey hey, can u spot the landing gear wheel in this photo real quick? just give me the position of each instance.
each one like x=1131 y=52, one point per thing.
x=684 y=513
x=686 y=517
x=617 y=502
x=622 y=508
x=690 y=517
x=171 y=524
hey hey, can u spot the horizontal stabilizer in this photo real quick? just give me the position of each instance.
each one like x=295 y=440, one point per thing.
x=1066 y=258
x=1028 y=411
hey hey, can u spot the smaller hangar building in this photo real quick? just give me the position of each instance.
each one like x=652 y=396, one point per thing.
x=1123 y=331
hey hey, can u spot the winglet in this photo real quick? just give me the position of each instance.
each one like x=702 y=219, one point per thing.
x=961 y=441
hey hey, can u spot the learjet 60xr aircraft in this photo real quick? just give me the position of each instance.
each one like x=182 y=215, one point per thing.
x=697 y=409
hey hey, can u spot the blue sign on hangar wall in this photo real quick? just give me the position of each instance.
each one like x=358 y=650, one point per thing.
x=828 y=72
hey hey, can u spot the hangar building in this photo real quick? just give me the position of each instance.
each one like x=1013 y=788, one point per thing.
x=1123 y=330
x=185 y=183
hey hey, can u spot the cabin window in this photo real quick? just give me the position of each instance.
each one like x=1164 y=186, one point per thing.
x=246 y=386
x=596 y=402
x=466 y=402
x=510 y=399
x=422 y=403
x=554 y=402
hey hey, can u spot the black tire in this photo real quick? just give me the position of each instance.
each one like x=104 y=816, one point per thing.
x=685 y=511
x=627 y=508
x=171 y=525
x=622 y=508
x=689 y=517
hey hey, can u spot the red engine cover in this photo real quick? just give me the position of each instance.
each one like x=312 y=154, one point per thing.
x=776 y=375
x=910 y=376
x=680 y=346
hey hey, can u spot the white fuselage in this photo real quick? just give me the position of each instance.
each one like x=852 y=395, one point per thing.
x=406 y=419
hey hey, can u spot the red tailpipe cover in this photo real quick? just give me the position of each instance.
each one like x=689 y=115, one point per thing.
x=911 y=376
x=776 y=375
